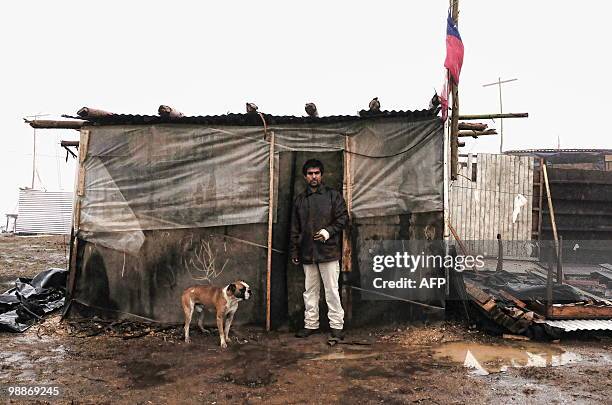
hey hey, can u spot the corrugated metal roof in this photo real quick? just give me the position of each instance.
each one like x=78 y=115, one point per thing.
x=251 y=119
x=44 y=212
x=571 y=325
x=558 y=151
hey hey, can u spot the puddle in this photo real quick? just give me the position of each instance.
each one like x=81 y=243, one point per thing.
x=485 y=359
x=341 y=355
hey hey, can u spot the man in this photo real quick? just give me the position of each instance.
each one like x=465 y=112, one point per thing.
x=319 y=215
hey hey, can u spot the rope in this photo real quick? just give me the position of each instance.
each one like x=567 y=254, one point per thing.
x=396 y=298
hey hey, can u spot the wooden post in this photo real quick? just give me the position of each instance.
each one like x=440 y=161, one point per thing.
x=551 y=211
x=347 y=248
x=454 y=159
x=549 y=292
x=270 y=223
x=500 y=254
x=76 y=218
x=560 y=261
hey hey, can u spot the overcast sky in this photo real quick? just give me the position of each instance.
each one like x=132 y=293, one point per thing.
x=210 y=57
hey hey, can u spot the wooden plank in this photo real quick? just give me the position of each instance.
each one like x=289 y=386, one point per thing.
x=494 y=187
x=476 y=293
x=81 y=181
x=72 y=269
x=84 y=145
x=469 y=232
x=76 y=224
x=523 y=234
x=580 y=312
x=515 y=337
x=464 y=202
x=514 y=190
x=506 y=180
x=512 y=298
x=517 y=189
x=489 y=305
x=482 y=166
x=490 y=205
x=529 y=197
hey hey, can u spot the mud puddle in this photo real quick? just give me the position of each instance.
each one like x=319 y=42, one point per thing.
x=484 y=359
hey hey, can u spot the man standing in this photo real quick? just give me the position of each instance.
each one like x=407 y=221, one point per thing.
x=319 y=215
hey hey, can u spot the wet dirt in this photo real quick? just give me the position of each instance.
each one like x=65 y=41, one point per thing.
x=407 y=363
x=484 y=359
x=26 y=256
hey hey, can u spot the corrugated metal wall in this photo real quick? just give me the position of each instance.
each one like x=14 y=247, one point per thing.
x=48 y=212
x=482 y=201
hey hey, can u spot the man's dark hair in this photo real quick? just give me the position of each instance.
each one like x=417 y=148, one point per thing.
x=311 y=164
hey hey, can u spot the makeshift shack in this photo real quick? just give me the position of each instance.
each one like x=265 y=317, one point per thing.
x=163 y=203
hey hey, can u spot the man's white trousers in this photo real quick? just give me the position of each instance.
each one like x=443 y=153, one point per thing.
x=329 y=273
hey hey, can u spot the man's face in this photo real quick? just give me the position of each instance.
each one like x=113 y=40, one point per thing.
x=313 y=177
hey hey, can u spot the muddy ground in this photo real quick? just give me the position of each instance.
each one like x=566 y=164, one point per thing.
x=102 y=362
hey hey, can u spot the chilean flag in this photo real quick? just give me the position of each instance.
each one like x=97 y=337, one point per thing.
x=454 y=49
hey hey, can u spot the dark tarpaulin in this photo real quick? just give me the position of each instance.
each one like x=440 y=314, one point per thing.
x=23 y=305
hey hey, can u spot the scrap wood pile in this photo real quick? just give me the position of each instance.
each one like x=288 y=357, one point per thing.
x=517 y=302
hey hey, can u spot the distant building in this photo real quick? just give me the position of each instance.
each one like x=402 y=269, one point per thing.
x=44 y=212
x=584 y=159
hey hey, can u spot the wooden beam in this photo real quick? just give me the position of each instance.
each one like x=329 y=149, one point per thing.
x=493 y=116
x=475 y=134
x=454 y=124
x=54 y=124
x=473 y=126
x=458 y=239
x=65 y=144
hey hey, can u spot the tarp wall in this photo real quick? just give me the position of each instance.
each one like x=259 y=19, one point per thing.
x=159 y=196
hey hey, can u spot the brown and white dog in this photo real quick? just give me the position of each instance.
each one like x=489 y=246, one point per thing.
x=222 y=300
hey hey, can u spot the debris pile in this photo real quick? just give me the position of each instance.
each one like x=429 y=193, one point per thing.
x=522 y=304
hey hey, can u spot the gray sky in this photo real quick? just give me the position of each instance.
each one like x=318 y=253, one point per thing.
x=210 y=57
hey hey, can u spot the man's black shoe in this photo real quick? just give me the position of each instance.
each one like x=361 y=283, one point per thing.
x=337 y=334
x=304 y=333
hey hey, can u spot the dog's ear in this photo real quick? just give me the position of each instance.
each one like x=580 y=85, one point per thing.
x=232 y=288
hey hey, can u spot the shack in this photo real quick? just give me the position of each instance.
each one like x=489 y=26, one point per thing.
x=164 y=202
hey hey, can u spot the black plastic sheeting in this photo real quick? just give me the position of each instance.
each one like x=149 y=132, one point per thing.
x=31 y=298
x=526 y=287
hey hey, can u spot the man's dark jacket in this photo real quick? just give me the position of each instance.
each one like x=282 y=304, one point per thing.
x=313 y=211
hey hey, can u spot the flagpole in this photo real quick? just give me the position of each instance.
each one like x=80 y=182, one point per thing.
x=454 y=4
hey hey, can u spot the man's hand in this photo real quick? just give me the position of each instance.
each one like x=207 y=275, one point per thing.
x=321 y=236
x=295 y=260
